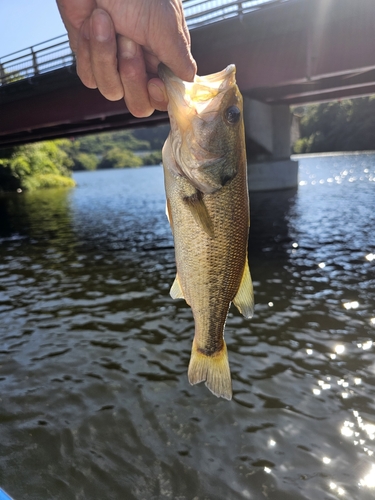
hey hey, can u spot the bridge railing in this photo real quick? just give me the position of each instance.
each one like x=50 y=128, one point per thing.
x=56 y=53
x=41 y=58
x=202 y=12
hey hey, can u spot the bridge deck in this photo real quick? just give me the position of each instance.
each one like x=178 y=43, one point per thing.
x=286 y=51
x=56 y=53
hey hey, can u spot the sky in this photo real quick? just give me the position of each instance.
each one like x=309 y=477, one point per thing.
x=24 y=23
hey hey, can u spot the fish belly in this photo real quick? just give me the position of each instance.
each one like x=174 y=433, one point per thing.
x=209 y=270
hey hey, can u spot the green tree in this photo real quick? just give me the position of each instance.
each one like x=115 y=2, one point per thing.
x=103 y=150
x=347 y=125
x=120 y=158
x=9 y=76
x=100 y=144
x=153 y=158
x=39 y=165
x=85 y=161
x=155 y=136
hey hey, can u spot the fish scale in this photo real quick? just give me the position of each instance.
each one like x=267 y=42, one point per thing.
x=208 y=209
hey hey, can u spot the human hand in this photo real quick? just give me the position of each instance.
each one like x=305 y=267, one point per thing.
x=148 y=32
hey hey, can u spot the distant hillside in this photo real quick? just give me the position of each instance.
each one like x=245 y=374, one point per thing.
x=127 y=148
x=347 y=125
x=49 y=163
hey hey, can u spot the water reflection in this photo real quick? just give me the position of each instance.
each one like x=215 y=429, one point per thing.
x=269 y=232
x=94 y=399
x=369 y=479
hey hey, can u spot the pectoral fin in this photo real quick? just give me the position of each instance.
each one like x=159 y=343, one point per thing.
x=176 y=290
x=244 y=299
x=199 y=211
x=168 y=213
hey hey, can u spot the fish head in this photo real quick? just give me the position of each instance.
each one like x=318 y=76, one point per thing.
x=207 y=131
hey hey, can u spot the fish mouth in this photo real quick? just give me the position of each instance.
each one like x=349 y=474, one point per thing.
x=201 y=98
x=195 y=112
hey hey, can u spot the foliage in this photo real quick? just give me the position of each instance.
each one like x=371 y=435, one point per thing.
x=153 y=158
x=85 y=161
x=43 y=164
x=39 y=181
x=9 y=76
x=48 y=164
x=99 y=144
x=120 y=158
x=156 y=136
x=347 y=125
x=117 y=149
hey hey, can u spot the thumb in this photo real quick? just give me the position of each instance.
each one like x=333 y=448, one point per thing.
x=179 y=59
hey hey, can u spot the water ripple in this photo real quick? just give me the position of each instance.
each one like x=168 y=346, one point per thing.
x=94 y=398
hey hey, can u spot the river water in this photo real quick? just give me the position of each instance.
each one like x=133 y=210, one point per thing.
x=94 y=397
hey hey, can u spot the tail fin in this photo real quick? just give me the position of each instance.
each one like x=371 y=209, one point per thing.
x=214 y=370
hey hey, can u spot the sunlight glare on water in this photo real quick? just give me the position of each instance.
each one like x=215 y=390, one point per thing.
x=94 y=397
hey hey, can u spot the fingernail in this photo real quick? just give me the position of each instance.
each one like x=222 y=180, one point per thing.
x=156 y=93
x=101 y=26
x=128 y=48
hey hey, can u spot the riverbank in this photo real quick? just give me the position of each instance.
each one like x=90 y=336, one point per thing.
x=332 y=153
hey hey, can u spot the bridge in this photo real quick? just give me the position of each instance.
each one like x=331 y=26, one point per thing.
x=287 y=52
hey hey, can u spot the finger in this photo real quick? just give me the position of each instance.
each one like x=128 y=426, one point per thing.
x=157 y=94
x=175 y=53
x=185 y=29
x=73 y=15
x=84 y=69
x=103 y=55
x=134 y=77
x=151 y=61
x=173 y=48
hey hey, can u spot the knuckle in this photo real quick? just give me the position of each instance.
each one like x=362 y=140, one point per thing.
x=132 y=70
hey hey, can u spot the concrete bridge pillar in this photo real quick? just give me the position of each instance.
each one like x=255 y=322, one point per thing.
x=270 y=127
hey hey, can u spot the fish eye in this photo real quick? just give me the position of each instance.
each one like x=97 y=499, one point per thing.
x=232 y=115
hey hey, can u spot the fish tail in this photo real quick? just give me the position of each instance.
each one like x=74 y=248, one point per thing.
x=212 y=369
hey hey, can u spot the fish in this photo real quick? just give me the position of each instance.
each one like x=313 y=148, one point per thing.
x=207 y=205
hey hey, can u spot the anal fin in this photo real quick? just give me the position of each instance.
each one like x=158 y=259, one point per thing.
x=213 y=369
x=244 y=299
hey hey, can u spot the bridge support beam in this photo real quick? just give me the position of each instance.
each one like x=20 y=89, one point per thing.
x=270 y=127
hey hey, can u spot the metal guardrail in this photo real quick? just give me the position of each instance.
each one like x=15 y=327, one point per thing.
x=56 y=53
x=202 y=12
x=41 y=58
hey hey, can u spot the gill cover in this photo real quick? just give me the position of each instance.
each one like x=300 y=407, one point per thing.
x=205 y=116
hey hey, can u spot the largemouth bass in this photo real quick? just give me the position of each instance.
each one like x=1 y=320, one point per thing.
x=205 y=175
